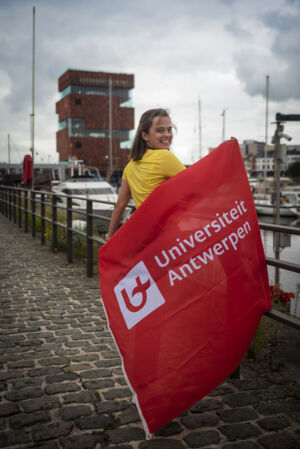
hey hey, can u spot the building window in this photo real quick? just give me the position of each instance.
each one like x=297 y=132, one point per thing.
x=78 y=144
x=62 y=125
x=124 y=94
x=77 y=100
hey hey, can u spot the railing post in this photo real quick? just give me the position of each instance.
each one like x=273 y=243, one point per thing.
x=26 y=210
x=54 y=222
x=14 y=193
x=6 y=202
x=89 y=241
x=69 y=230
x=9 y=204
x=20 y=208
x=33 y=213
x=1 y=201
x=43 y=227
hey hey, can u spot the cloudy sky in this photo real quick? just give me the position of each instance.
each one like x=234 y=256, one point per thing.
x=179 y=51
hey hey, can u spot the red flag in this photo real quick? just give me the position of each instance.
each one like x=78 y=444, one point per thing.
x=184 y=284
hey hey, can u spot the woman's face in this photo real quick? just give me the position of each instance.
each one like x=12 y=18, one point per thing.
x=160 y=133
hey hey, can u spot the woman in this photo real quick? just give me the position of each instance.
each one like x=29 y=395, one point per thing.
x=151 y=163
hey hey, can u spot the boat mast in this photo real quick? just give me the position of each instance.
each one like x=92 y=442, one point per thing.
x=32 y=114
x=8 y=148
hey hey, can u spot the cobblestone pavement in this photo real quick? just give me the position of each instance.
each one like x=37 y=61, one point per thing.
x=61 y=383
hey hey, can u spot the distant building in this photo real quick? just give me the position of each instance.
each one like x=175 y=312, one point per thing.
x=86 y=113
x=292 y=154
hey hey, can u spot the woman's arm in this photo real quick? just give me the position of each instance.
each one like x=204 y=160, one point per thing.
x=123 y=200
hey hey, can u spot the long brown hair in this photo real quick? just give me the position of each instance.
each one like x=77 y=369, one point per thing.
x=139 y=146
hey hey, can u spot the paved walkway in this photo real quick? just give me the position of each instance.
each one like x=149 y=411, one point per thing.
x=61 y=384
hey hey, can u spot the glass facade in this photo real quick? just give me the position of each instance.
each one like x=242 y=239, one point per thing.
x=124 y=94
x=76 y=128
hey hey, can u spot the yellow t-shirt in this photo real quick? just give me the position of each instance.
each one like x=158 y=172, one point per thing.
x=155 y=167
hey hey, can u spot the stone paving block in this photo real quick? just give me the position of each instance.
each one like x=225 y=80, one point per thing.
x=271 y=393
x=122 y=446
x=202 y=420
x=21 y=364
x=126 y=434
x=282 y=440
x=172 y=428
x=54 y=378
x=222 y=390
x=81 y=397
x=206 y=405
x=62 y=388
x=240 y=399
x=84 y=358
x=28 y=419
x=121 y=381
x=274 y=422
x=36 y=372
x=25 y=393
x=130 y=415
x=96 y=373
x=75 y=411
x=83 y=441
x=94 y=422
x=78 y=344
x=12 y=437
x=237 y=414
x=24 y=383
x=46 y=445
x=75 y=367
x=45 y=403
x=111 y=406
x=99 y=384
x=242 y=445
x=161 y=444
x=201 y=439
x=53 y=361
x=240 y=431
x=117 y=393
x=8 y=408
x=277 y=407
x=54 y=430
x=110 y=354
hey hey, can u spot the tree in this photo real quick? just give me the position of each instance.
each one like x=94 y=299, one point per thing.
x=293 y=171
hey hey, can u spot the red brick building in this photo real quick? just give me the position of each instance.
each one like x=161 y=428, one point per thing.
x=93 y=106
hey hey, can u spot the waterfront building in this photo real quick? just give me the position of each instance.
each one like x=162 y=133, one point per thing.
x=95 y=119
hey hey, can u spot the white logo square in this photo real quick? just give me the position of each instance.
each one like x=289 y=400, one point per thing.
x=138 y=295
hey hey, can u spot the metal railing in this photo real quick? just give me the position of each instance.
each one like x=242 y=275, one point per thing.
x=21 y=204
x=24 y=207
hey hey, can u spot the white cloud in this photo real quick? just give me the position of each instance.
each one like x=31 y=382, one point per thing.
x=220 y=50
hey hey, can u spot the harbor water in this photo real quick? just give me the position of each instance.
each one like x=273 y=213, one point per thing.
x=290 y=252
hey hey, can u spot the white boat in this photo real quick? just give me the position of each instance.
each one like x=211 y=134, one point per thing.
x=96 y=189
x=289 y=205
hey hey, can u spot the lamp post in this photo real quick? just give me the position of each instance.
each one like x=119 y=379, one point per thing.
x=32 y=114
x=223 y=114
x=110 y=125
x=276 y=141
